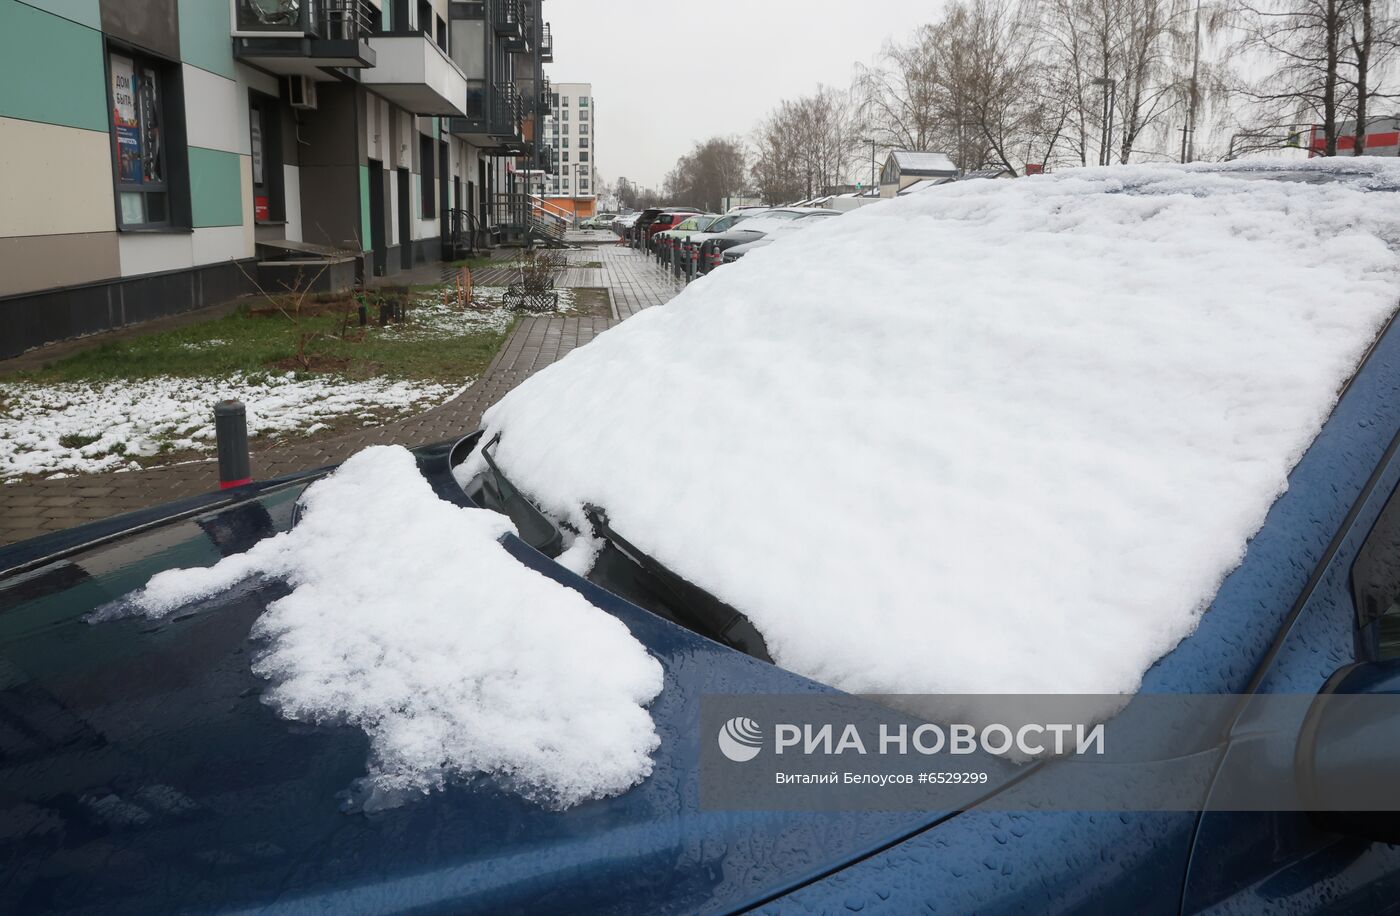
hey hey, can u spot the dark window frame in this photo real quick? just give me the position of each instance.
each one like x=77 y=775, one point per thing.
x=427 y=176
x=173 y=189
x=274 y=179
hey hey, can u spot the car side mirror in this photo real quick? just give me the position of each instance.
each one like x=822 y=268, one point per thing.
x=1348 y=755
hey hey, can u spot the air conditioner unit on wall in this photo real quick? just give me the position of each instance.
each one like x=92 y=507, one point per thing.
x=301 y=91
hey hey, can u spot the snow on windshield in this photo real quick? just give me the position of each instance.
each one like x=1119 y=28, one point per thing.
x=410 y=620
x=1005 y=437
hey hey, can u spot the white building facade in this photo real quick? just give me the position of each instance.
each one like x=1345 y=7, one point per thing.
x=569 y=129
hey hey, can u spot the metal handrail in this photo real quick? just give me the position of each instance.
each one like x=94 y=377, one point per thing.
x=331 y=19
x=345 y=20
x=507 y=13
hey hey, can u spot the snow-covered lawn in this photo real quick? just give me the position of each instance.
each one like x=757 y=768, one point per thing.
x=455 y=659
x=1016 y=449
x=63 y=428
x=75 y=427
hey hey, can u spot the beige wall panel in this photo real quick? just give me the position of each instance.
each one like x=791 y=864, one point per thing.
x=38 y=262
x=55 y=180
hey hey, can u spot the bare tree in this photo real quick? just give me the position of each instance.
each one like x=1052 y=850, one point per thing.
x=776 y=171
x=896 y=95
x=1372 y=40
x=710 y=172
x=1302 y=42
x=807 y=146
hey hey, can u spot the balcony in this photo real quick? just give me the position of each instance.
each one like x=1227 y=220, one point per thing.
x=547 y=45
x=509 y=23
x=417 y=75
x=493 y=119
x=302 y=37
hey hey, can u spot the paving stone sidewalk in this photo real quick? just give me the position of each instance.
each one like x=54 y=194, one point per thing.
x=37 y=507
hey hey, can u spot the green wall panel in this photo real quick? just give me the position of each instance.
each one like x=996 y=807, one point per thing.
x=83 y=12
x=364 y=208
x=216 y=190
x=204 y=36
x=50 y=69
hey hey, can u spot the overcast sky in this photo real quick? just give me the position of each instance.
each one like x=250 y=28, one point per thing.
x=710 y=67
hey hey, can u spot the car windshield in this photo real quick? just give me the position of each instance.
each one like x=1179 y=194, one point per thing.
x=1086 y=488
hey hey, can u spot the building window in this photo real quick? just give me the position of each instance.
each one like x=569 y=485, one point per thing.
x=583 y=143
x=427 y=176
x=554 y=100
x=566 y=155
x=566 y=145
x=583 y=116
x=583 y=130
x=583 y=101
x=138 y=135
x=565 y=100
x=582 y=157
x=265 y=144
x=583 y=170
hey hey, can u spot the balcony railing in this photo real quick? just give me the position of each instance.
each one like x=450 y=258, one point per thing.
x=507 y=16
x=492 y=108
x=505 y=111
x=337 y=20
x=547 y=45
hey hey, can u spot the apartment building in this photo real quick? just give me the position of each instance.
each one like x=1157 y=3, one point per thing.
x=570 y=127
x=163 y=155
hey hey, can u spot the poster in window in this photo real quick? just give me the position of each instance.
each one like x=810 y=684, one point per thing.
x=124 y=123
x=149 y=97
x=255 y=136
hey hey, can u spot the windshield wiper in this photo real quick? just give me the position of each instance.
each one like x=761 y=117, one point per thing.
x=535 y=529
x=682 y=600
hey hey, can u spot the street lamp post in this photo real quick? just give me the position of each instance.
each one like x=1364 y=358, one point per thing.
x=1110 y=103
x=872 y=141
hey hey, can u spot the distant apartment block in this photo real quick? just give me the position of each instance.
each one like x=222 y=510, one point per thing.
x=571 y=128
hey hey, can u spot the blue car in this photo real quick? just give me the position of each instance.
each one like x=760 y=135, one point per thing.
x=141 y=772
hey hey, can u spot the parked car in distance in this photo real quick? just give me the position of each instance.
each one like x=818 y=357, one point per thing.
x=697 y=239
x=753 y=228
x=649 y=215
x=665 y=220
x=623 y=222
x=738 y=251
x=695 y=224
x=600 y=221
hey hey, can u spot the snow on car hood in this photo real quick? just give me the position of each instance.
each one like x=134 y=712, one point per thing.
x=1006 y=437
x=453 y=657
x=768 y=224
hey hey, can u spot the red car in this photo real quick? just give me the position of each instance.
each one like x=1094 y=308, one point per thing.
x=669 y=219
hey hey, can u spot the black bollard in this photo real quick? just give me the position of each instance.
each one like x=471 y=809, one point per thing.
x=231 y=432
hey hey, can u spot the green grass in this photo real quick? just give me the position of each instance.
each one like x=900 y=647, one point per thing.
x=484 y=262
x=251 y=340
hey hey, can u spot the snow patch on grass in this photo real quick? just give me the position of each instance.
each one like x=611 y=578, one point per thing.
x=88 y=428
x=456 y=659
